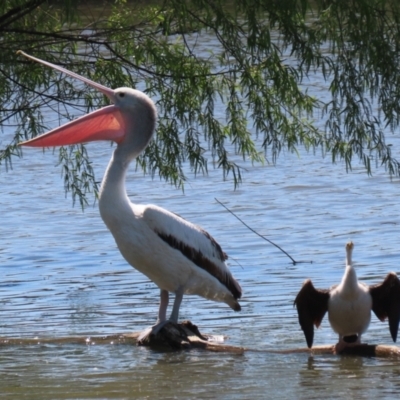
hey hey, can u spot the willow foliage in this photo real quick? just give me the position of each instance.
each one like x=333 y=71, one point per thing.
x=257 y=65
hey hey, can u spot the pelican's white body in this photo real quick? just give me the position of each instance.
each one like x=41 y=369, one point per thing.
x=135 y=229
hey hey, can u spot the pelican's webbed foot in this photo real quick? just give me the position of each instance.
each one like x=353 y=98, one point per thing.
x=152 y=330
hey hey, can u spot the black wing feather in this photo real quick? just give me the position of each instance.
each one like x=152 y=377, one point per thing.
x=386 y=302
x=312 y=304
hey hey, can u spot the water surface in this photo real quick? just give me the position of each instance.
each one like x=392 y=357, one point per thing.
x=62 y=275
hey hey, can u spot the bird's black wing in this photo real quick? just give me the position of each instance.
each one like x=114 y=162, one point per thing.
x=386 y=302
x=312 y=304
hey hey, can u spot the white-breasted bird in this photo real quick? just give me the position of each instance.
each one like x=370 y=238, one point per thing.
x=178 y=256
x=349 y=305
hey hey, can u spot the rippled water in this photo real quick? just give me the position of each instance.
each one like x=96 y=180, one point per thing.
x=62 y=275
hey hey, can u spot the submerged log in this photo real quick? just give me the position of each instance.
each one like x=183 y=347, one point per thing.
x=183 y=336
x=186 y=336
x=363 y=350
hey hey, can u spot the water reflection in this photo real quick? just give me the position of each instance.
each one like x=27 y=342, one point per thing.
x=325 y=373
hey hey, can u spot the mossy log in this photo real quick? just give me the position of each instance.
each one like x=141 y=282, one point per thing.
x=186 y=336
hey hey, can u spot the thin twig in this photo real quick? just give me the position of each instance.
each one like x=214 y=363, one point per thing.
x=261 y=236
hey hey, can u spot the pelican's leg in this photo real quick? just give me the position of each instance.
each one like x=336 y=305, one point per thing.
x=162 y=317
x=162 y=311
x=177 y=303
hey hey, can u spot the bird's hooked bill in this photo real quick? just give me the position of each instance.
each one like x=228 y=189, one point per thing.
x=104 y=124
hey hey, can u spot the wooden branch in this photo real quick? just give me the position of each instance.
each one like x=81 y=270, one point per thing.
x=363 y=350
x=18 y=12
x=186 y=336
x=183 y=336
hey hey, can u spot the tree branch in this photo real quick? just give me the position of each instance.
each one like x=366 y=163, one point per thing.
x=18 y=12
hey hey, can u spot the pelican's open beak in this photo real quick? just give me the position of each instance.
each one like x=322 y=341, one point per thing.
x=104 y=124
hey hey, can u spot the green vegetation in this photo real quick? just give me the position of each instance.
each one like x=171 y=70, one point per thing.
x=263 y=52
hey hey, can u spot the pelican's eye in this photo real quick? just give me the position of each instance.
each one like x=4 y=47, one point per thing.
x=122 y=94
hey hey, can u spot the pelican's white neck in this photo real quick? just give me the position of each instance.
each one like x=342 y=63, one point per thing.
x=112 y=191
x=139 y=119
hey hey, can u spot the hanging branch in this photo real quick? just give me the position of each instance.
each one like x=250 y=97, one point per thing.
x=294 y=262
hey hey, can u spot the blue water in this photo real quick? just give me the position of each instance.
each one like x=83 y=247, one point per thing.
x=62 y=275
